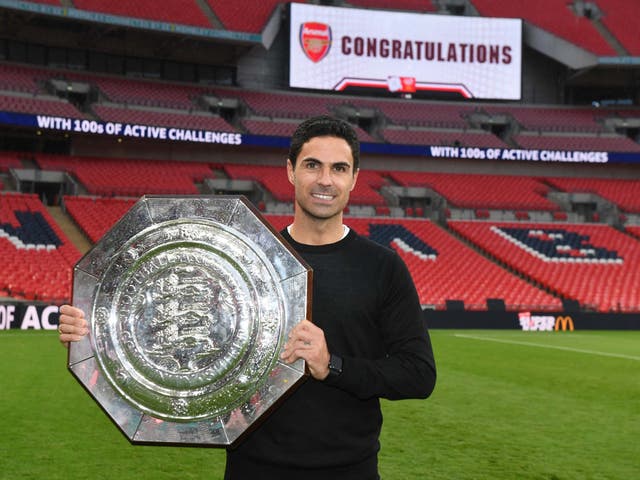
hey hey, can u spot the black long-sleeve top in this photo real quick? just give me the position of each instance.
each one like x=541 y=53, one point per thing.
x=366 y=303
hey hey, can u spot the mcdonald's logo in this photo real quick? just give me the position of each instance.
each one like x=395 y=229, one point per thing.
x=564 y=323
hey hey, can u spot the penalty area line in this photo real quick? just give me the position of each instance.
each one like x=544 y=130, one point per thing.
x=554 y=347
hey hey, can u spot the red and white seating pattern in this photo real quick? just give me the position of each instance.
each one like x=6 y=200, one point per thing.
x=33 y=271
x=601 y=286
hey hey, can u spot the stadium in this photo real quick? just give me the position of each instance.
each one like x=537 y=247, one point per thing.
x=500 y=149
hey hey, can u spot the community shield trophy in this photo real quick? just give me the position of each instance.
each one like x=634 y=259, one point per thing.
x=189 y=302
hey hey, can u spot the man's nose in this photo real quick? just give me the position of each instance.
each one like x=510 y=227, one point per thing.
x=324 y=176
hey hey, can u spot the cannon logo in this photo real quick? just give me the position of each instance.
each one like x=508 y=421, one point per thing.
x=564 y=324
x=315 y=40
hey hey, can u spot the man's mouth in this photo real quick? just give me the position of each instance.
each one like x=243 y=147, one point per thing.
x=322 y=196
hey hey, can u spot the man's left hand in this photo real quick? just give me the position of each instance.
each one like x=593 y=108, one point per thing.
x=307 y=341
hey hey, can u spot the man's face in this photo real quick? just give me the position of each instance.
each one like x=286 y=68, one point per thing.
x=323 y=177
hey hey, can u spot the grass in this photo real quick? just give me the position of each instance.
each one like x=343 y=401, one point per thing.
x=508 y=405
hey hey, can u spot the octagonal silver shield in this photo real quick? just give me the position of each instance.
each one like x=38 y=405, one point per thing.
x=189 y=302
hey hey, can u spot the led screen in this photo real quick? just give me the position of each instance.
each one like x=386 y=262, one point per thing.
x=334 y=48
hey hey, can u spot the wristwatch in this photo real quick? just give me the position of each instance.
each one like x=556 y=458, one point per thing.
x=335 y=366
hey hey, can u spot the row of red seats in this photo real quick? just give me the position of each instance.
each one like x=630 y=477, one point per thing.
x=622 y=192
x=39 y=106
x=413 y=136
x=550 y=15
x=126 y=177
x=575 y=119
x=270 y=127
x=9 y=160
x=96 y=216
x=184 y=12
x=455 y=271
x=274 y=178
x=600 y=285
x=481 y=192
x=600 y=143
x=18 y=78
x=199 y=120
x=282 y=105
x=33 y=271
x=232 y=15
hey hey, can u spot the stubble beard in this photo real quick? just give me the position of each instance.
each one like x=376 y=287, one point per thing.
x=319 y=214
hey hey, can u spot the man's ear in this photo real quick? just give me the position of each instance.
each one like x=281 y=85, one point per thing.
x=290 y=172
x=355 y=179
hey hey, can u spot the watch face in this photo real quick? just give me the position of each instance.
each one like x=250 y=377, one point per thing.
x=335 y=365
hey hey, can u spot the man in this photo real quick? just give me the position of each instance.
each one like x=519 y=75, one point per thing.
x=367 y=340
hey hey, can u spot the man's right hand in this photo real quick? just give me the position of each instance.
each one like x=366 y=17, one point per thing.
x=72 y=325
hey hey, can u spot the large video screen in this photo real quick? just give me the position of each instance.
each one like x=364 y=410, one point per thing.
x=334 y=48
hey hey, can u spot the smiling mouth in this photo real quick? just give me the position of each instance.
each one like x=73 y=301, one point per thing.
x=321 y=196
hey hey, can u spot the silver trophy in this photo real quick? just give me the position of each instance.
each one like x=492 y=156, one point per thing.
x=189 y=302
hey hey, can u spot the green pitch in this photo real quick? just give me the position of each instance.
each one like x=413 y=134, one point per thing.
x=508 y=405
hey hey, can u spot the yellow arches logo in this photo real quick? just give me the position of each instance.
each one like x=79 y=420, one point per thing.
x=564 y=323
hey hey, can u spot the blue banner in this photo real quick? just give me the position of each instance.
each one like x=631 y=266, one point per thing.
x=176 y=134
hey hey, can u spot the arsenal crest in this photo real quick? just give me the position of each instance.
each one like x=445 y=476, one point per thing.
x=315 y=40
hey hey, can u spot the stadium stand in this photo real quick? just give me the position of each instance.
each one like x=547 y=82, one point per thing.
x=634 y=230
x=262 y=126
x=574 y=119
x=563 y=22
x=9 y=160
x=280 y=104
x=233 y=15
x=415 y=136
x=617 y=17
x=164 y=118
x=44 y=105
x=186 y=12
x=129 y=177
x=37 y=257
x=96 y=215
x=478 y=191
x=146 y=93
x=274 y=179
x=622 y=192
x=444 y=268
x=19 y=78
x=415 y=122
x=420 y=113
x=530 y=265
x=595 y=265
x=606 y=142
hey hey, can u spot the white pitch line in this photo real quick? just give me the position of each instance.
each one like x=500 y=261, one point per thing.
x=569 y=349
x=25 y=333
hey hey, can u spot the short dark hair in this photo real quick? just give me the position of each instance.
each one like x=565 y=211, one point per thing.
x=324 y=126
